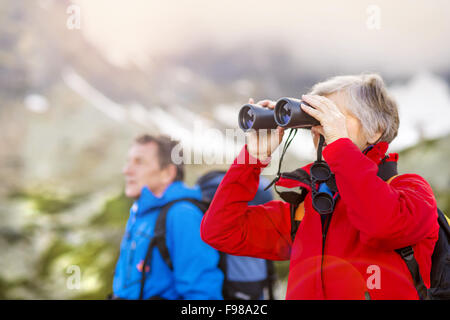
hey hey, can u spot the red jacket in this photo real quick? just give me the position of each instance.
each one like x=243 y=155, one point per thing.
x=370 y=220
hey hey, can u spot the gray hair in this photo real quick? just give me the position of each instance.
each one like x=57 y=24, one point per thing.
x=369 y=102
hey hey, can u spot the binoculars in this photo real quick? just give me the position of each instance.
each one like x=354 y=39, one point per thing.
x=323 y=200
x=287 y=114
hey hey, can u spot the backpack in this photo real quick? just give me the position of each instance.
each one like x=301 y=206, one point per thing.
x=440 y=267
x=245 y=278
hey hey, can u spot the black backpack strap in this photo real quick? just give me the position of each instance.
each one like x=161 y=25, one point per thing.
x=160 y=234
x=159 y=237
x=223 y=266
x=407 y=254
x=443 y=223
x=440 y=262
x=160 y=227
x=271 y=278
x=386 y=170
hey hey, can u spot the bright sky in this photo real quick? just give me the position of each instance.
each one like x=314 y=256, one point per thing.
x=323 y=34
x=326 y=35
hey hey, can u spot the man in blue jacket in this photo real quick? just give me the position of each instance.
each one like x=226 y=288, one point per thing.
x=154 y=180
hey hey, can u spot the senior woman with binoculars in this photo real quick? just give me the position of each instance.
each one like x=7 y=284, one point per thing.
x=349 y=250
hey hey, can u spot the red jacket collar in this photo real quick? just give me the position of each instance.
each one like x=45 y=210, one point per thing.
x=377 y=153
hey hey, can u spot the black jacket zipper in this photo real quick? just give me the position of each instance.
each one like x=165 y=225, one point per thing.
x=325 y=227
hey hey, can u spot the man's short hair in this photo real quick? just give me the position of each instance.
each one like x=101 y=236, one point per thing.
x=165 y=146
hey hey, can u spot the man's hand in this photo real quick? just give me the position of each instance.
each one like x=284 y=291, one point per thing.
x=332 y=120
x=259 y=145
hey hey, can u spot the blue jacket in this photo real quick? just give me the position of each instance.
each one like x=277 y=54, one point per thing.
x=196 y=274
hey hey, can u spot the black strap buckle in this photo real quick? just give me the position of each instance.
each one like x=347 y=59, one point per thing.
x=406 y=253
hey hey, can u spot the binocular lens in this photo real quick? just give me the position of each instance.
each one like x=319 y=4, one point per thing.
x=323 y=203
x=248 y=118
x=255 y=117
x=288 y=113
x=282 y=113
x=320 y=171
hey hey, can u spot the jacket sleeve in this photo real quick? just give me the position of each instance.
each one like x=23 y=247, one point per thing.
x=232 y=226
x=195 y=263
x=395 y=215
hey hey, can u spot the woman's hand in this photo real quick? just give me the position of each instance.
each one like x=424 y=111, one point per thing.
x=261 y=146
x=332 y=120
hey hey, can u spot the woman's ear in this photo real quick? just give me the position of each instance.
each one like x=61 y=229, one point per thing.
x=374 y=139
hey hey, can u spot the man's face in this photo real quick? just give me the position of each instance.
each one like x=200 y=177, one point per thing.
x=142 y=169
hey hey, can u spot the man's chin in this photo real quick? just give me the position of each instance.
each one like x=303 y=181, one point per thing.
x=132 y=193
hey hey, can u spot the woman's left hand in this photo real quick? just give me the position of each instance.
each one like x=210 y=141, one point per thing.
x=328 y=114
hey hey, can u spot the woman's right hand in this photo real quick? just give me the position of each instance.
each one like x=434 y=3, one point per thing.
x=262 y=144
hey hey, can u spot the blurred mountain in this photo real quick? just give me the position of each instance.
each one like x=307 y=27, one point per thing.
x=67 y=113
x=429 y=158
